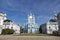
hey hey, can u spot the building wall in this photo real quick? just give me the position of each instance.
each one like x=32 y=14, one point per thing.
x=52 y=26
x=49 y=27
x=59 y=24
x=0 y=29
x=44 y=28
x=58 y=19
x=2 y=18
x=12 y=25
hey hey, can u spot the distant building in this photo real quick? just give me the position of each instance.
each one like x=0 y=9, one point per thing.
x=25 y=29
x=58 y=19
x=32 y=26
x=4 y=23
x=49 y=27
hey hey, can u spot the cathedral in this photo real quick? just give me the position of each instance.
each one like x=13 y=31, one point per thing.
x=32 y=26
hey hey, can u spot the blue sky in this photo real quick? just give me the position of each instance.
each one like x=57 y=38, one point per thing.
x=18 y=10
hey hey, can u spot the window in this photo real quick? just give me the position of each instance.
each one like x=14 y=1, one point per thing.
x=28 y=27
x=11 y=27
x=49 y=27
x=56 y=28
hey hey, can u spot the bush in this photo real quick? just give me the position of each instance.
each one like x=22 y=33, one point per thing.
x=7 y=31
x=56 y=33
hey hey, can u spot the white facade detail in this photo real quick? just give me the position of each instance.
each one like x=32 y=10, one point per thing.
x=2 y=18
x=32 y=26
x=10 y=25
x=49 y=27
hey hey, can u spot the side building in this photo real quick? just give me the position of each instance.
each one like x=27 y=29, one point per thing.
x=58 y=19
x=4 y=23
x=11 y=25
x=49 y=27
x=2 y=18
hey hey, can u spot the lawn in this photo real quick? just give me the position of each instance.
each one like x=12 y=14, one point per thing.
x=32 y=35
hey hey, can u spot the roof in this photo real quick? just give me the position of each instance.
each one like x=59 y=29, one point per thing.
x=7 y=20
x=53 y=20
x=2 y=14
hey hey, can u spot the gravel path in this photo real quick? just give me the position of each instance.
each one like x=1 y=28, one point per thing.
x=10 y=37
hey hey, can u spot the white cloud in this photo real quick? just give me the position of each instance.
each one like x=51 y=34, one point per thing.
x=44 y=17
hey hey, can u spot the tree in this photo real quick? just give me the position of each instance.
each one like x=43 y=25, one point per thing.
x=21 y=30
x=40 y=29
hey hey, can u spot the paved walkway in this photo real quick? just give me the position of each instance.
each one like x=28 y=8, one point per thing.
x=10 y=37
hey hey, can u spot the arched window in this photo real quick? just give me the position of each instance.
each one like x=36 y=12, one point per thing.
x=56 y=28
x=49 y=27
x=11 y=27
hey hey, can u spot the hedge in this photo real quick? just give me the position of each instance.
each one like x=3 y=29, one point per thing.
x=56 y=33
x=7 y=31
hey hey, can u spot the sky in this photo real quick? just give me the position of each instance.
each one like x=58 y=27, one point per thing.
x=18 y=10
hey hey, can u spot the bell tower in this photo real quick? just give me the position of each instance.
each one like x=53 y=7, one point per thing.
x=31 y=22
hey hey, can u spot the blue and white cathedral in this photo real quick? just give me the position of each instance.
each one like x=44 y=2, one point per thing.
x=32 y=26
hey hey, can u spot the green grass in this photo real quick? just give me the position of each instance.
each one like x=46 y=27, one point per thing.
x=32 y=35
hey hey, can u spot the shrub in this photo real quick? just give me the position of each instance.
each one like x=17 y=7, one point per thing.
x=56 y=33
x=7 y=31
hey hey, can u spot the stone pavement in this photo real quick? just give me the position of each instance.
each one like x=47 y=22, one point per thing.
x=11 y=37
